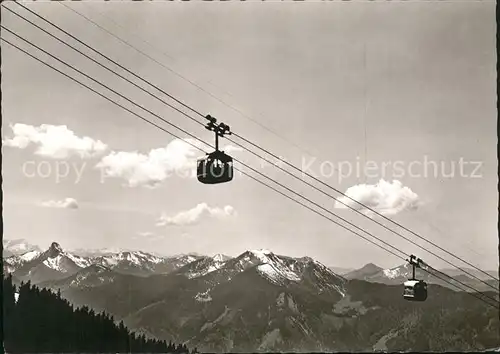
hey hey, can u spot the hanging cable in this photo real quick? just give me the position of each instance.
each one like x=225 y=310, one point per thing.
x=25 y=52
x=191 y=135
x=102 y=55
x=187 y=142
x=366 y=207
x=105 y=67
x=482 y=297
x=366 y=216
x=184 y=78
x=377 y=213
x=309 y=184
x=168 y=68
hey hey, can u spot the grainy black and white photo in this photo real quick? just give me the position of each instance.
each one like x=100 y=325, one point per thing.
x=249 y=176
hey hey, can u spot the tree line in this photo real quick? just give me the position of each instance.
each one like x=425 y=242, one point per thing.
x=39 y=321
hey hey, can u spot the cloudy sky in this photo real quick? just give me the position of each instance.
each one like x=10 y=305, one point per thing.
x=405 y=88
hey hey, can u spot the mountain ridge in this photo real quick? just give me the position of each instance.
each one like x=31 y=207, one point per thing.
x=260 y=301
x=106 y=255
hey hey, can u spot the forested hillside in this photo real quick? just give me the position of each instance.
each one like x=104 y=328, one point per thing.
x=40 y=321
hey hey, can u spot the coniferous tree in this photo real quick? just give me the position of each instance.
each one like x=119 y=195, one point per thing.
x=9 y=291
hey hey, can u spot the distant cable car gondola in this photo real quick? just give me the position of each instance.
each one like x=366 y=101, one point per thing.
x=215 y=167
x=414 y=289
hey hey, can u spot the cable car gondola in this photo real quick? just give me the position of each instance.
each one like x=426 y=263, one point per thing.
x=414 y=289
x=215 y=167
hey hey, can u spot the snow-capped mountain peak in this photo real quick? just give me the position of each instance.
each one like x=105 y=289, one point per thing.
x=59 y=260
x=79 y=261
x=54 y=263
x=282 y=270
x=261 y=251
x=277 y=273
x=400 y=271
x=29 y=256
x=56 y=247
x=219 y=257
x=261 y=254
x=255 y=257
x=136 y=258
x=204 y=266
x=54 y=250
x=188 y=258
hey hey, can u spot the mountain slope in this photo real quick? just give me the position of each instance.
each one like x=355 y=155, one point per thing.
x=480 y=275
x=260 y=301
x=364 y=273
x=251 y=313
x=447 y=321
x=201 y=266
x=51 y=264
x=400 y=274
x=250 y=300
x=341 y=270
x=91 y=276
x=39 y=321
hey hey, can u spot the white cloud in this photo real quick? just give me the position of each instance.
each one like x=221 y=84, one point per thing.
x=194 y=215
x=67 y=203
x=149 y=170
x=55 y=141
x=384 y=197
x=178 y=157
